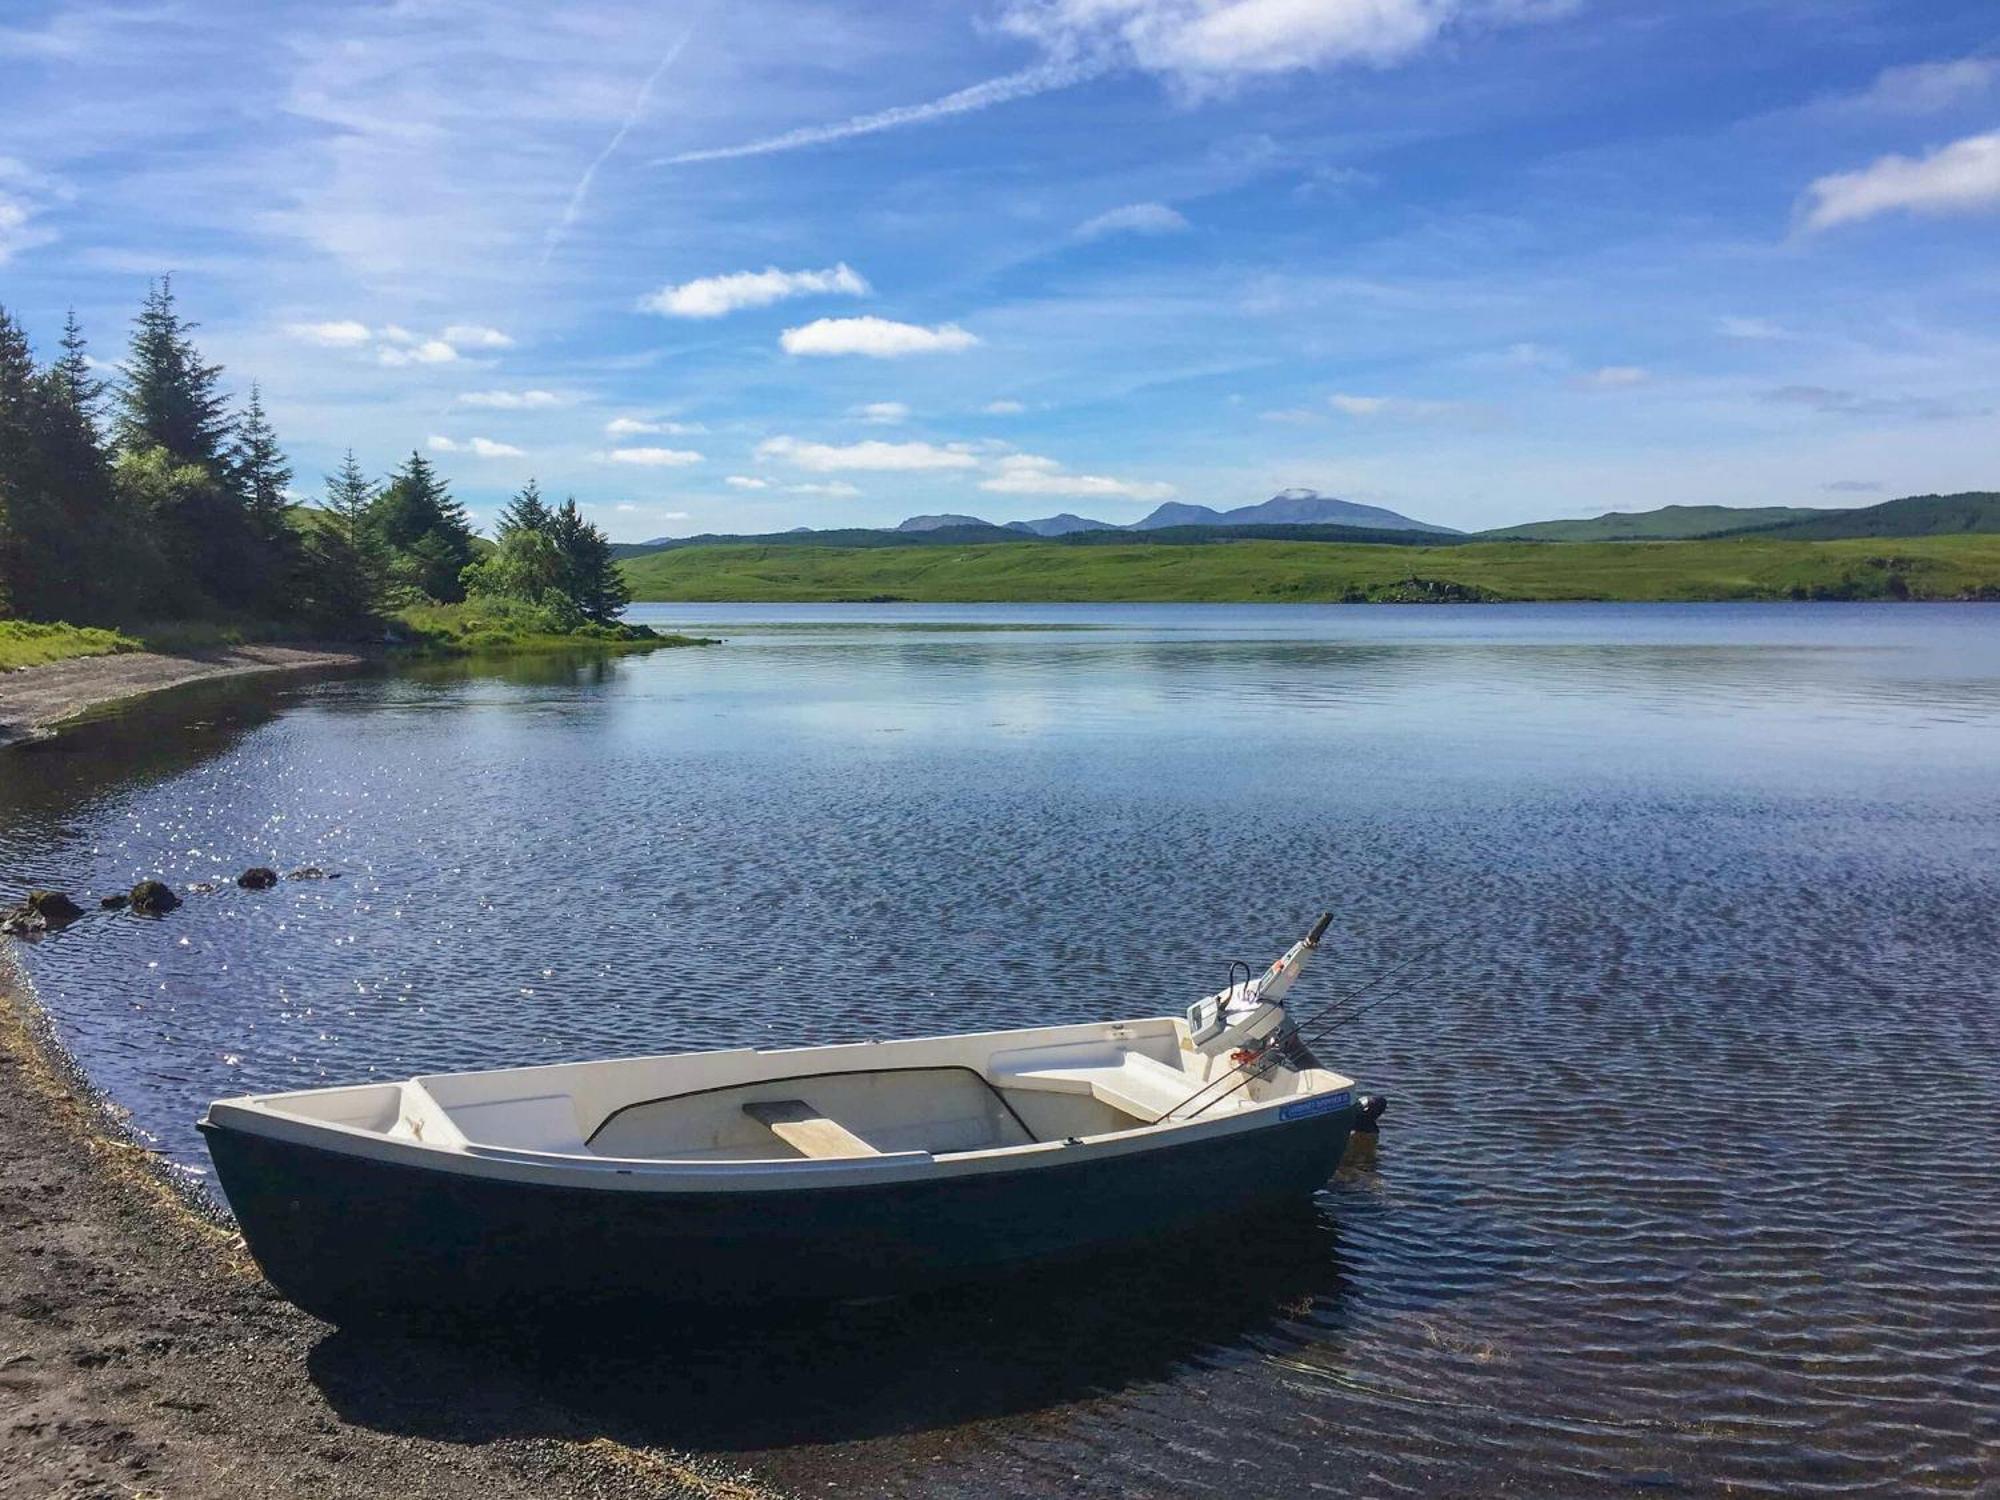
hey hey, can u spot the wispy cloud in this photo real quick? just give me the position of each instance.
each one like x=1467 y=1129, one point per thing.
x=1963 y=177
x=1134 y=218
x=829 y=458
x=1614 y=378
x=1854 y=487
x=1390 y=406
x=534 y=400
x=877 y=338
x=884 y=413
x=642 y=426
x=24 y=196
x=1925 y=88
x=478 y=447
x=395 y=346
x=1032 y=474
x=650 y=458
x=574 y=207
x=477 y=336
x=716 y=296
x=341 y=334
x=1003 y=408
x=1752 y=330
x=1839 y=403
x=1021 y=85
x=746 y=482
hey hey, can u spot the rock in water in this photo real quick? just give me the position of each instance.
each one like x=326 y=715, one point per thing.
x=258 y=878
x=115 y=903
x=152 y=897
x=54 y=907
x=306 y=872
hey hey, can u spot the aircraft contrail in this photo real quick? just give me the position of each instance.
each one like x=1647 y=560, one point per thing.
x=1036 y=80
x=577 y=195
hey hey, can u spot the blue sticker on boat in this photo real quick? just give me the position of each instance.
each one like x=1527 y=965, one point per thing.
x=1323 y=1104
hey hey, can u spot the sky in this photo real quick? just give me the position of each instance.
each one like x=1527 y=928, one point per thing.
x=745 y=265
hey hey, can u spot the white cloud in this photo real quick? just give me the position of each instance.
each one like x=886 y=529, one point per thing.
x=343 y=333
x=1924 y=88
x=1753 y=330
x=479 y=447
x=1389 y=406
x=1963 y=177
x=1614 y=378
x=1133 y=218
x=827 y=458
x=884 y=412
x=715 y=296
x=1031 y=474
x=839 y=489
x=1204 y=42
x=426 y=352
x=636 y=426
x=1004 y=408
x=476 y=336
x=651 y=458
x=24 y=194
x=878 y=338
x=512 y=400
x=746 y=482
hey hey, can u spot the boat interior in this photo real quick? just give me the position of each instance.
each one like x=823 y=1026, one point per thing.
x=939 y=1095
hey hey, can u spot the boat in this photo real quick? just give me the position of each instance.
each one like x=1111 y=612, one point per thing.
x=798 y=1174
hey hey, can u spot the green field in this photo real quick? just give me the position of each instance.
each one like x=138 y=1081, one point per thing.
x=1942 y=567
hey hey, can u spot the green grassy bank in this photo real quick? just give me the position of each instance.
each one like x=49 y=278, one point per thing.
x=1939 y=567
x=31 y=643
x=494 y=627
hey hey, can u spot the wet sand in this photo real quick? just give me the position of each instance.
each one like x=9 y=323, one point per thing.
x=34 y=700
x=142 y=1355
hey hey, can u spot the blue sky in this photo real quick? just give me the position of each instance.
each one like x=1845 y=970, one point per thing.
x=753 y=264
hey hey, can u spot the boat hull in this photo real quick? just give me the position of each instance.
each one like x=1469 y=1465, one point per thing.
x=348 y=1236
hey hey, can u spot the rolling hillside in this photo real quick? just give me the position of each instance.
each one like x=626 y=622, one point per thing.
x=1915 y=515
x=1750 y=567
x=1669 y=523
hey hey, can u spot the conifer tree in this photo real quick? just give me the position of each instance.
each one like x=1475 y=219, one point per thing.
x=525 y=512
x=346 y=572
x=426 y=530
x=169 y=399
x=591 y=577
x=74 y=379
x=261 y=473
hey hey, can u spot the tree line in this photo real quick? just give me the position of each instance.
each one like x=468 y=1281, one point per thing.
x=147 y=498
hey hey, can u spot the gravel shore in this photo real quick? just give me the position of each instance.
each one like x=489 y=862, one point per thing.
x=34 y=700
x=142 y=1355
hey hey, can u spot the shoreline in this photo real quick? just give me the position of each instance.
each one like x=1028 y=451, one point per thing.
x=142 y=1353
x=36 y=702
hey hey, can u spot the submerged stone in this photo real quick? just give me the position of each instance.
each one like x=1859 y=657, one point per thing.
x=306 y=872
x=54 y=907
x=115 y=903
x=257 y=878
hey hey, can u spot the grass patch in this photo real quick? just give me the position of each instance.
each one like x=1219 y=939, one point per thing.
x=1743 y=568
x=504 y=626
x=28 y=643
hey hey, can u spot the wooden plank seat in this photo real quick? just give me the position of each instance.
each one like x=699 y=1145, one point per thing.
x=806 y=1130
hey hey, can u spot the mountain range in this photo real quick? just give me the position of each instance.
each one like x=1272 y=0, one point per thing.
x=1286 y=508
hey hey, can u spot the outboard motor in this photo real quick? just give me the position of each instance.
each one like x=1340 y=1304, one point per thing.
x=1249 y=1016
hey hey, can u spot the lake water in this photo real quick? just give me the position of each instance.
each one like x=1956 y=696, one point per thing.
x=1689 y=1175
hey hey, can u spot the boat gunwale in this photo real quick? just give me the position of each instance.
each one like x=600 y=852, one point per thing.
x=254 y=1114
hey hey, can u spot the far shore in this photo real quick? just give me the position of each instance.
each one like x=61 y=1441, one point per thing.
x=35 y=701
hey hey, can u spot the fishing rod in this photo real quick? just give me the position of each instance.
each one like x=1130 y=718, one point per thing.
x=1316 y=1026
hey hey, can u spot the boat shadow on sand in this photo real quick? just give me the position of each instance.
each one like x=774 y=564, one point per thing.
x=743 y=1383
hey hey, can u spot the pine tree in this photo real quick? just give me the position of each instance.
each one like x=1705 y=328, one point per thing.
x=426 y=529
x=169 y=398
x=591 y=576
x=345 y=576
x=74 y=379
x=20 y=500
x=525 y=512
x=261 y=473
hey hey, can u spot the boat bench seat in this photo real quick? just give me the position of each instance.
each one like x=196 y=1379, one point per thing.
x=806 y=1130
x=1128 y=1081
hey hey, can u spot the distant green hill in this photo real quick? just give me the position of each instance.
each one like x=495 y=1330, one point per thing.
x=1668 y=523
x=1746 y=566
x=1915 y=515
